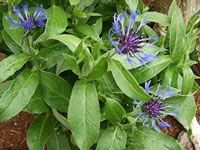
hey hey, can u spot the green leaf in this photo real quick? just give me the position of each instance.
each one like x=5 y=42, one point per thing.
x=14 y=47
x=58 y=141
x=156 y=67
x=128 y=66
x=188 y=80
x=84 y=3
x=56 y=23
x=11 y=64
x=187 y=108
x=177 y=32
x=88 y=31
x=113 y=138
x=37 y=104
x=61 y=118
x=56 y=91
x=39 y=132
x=154 y=17
x=84 y=114
x=15 y=34
x=74 y=2
x=69 y=40
x=146 y=138
x=5 y=86
x=52 y=54
x=18 y=95
x=172 y=9
x=126 y=82
x=114 y=111
x=99 y=68
x=98 y=26
x=132 y=4
x=72 y=64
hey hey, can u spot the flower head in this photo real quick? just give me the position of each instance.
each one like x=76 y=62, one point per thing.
x=28 y=20
x=128 y=41
x=155 y=109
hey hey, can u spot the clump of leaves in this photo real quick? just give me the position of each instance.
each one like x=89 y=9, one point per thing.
x=86 y=66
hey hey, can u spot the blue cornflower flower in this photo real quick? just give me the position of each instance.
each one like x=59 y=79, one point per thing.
x=127 y=40
x=155 y=109
x=28 y=20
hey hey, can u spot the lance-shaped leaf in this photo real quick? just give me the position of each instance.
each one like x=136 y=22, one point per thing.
x=11 y=64
x=99 y=68
x=177 y=31
x=58 y=141
x=56 y=23
x=155 y=67
x=13 y=46
x=187 y=108
x=37 y=104
x=88 y=31
x=188 y=80
x=39 y=132
x=113 y=138
x=15 y=34
x=56 y=91
x=18 y=95
x=69 y=40
x=72 y=64
x=114 y=111
x=126 y=82
x=84 y=114
x=146 y=138
x=74 y=2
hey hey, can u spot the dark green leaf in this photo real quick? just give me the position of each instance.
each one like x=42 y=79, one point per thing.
x=126 y=82
x=58 y=141
x=113 y=138
x=56 y=23
x=39 y=132
x=84 y=114
x=156 y=67
x=146 y=138
x=56 y=91
x=18 y=95
x=11 y=64
x=114 y=111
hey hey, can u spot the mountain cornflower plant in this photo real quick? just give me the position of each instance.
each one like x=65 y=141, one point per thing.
x=61 y=70
x=28 y=20
x=155 y=109
x=128 y=41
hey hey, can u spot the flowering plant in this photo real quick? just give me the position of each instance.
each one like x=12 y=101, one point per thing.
x=97 y=70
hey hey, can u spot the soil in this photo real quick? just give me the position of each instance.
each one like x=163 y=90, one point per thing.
x=13 y=132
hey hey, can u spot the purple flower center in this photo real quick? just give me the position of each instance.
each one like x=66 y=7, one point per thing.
x=130 y=42
x=153 y=108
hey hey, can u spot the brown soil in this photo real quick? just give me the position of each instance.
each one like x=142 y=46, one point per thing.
x=13 y=132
